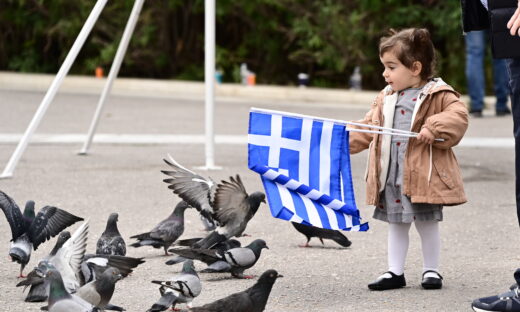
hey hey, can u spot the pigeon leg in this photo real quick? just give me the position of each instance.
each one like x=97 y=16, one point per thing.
x=166 y=251
x=246 y=235
x=248 y=276
x=21 y=273
x=306 y=244
x=321 y=240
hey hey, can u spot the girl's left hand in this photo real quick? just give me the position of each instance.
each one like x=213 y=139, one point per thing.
x=425 y=136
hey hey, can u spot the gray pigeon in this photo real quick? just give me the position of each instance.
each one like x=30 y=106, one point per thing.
x=253 y=299
x=66 y=257
x=60 y=300
x=214 y=266
x=233 y=209
x=99 y=292
x=111 y=242
x=166 y=232
x=30 y=230
x=240 y=259
x=311 y=231
x=182 y=288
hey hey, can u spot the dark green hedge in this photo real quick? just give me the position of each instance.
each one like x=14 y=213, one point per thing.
x=276 y=38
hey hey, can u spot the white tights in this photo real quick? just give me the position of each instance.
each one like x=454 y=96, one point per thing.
x=398 y=242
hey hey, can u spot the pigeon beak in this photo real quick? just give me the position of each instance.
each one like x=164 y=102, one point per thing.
x=119 y=276
x=279 y=275
x=266 y=247
x=263 y=201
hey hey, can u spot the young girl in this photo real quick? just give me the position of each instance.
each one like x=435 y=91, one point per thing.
x=409 y=180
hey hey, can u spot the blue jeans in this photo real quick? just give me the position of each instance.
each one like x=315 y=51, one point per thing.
x=476 y=44
x=513 y=65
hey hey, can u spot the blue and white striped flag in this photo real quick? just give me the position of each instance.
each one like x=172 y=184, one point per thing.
x=305 y=168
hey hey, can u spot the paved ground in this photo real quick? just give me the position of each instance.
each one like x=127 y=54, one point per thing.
x=478 y=238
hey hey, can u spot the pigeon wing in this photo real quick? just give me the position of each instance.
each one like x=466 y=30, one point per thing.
x=231 y=203
x=13 y=215
x=49 y=222
x=72 y=253
x=191 y=187
x=204 y=255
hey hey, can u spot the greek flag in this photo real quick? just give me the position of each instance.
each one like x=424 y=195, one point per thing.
x=304 y=164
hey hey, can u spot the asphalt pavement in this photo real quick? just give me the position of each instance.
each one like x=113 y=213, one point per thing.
x=479 y=238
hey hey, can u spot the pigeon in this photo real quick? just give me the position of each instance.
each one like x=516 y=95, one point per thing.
x=29 y=230
x=253 y=299
x=182 y=288
x=38 y=292
x=311 y=231
x=91 y=267
x=233 y=209
x=166 y=232
x=214 y=266
x=66 y=257
x=60 y=300
x=111 y=242
x=240 y=259
x=193 y=189
x=100 y=291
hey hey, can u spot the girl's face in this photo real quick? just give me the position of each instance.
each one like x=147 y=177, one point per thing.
x=398 y=76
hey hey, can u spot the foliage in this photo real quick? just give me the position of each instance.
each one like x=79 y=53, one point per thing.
x=276 y=38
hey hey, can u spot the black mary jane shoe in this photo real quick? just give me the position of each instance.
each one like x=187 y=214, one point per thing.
x=432 y=282
x=385 y=283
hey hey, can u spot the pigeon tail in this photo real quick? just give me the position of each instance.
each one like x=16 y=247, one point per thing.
x=176 y=260
x=142 y=236
x=166 y=301
x=341 y=239
x=209 y=241
x=113 y=307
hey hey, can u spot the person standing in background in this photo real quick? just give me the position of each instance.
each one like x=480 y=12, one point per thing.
x=476 y=46
x=475 y=16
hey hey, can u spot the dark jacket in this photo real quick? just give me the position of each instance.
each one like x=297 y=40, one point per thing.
x=476 y=17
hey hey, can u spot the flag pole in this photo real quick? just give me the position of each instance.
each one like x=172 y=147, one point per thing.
x=386 y=130
x=337 y=121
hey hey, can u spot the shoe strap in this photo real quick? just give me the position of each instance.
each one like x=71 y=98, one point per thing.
x=432 y=271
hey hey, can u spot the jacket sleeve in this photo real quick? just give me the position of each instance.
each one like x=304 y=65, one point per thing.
x=359 y=141
x=451 y=123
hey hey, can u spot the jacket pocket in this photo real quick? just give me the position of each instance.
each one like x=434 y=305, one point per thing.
x=444 y=176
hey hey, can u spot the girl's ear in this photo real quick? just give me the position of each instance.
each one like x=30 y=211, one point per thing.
x=416 y=68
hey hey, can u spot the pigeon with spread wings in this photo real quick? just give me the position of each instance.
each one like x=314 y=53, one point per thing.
x=29 y=230
x=193 y=189
x=233 y=208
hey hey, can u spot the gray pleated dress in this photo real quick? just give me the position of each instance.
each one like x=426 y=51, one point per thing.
x=394 y=207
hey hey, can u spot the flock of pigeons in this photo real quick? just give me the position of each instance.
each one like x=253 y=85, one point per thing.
x=71 y=280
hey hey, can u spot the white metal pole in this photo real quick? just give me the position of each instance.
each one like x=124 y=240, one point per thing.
x=209 y=80
x=114 y=71
x=56 y=83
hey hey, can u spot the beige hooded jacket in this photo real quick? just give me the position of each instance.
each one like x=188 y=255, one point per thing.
x=431 y=173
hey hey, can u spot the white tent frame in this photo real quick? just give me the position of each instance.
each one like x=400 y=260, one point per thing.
x=209 y=80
